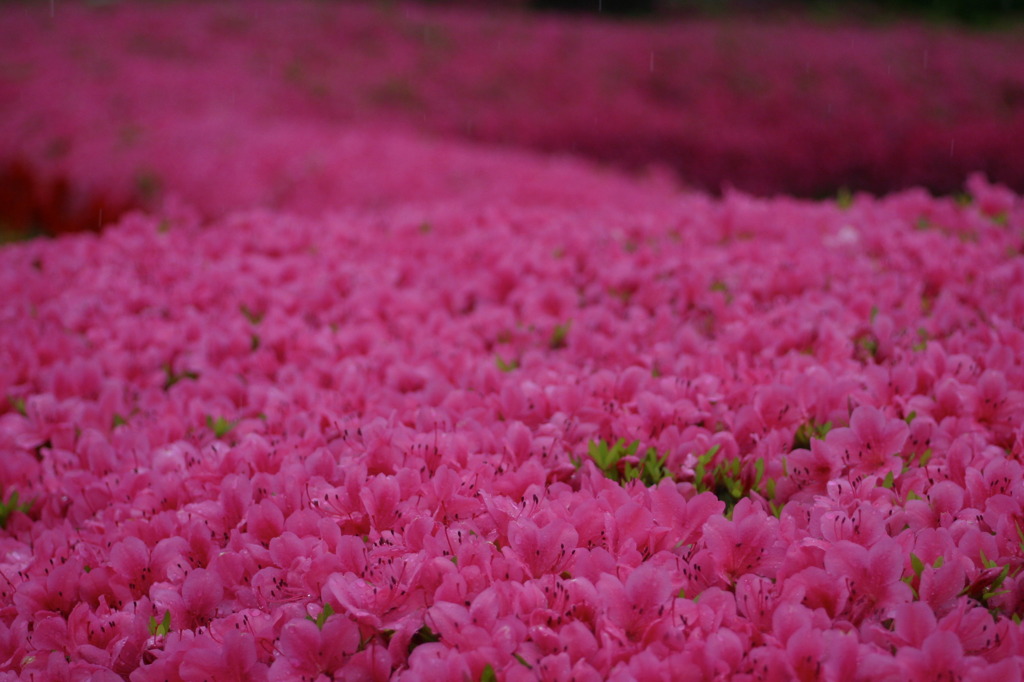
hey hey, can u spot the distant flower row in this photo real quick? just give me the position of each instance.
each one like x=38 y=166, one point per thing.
x=122 y=104
x=478 y=440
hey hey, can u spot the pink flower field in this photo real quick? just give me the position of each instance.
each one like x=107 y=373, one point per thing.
x=268 y=103
x=350 y=399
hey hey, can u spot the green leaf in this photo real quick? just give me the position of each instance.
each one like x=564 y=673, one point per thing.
x=631 y=473
x=19 y=405
x=506 y=366
x=808 y=431
x=161 y=628
x=254 y=341
x=220 y=426
x=118 y=420
x=758 y=472
x=736 y=488
x=700 y=471
x=251 y=315
x=488 y=674
x=522 y=661
x=559 y=335
x=423 y=636
x=326 y=612
x=868 y=344
x=889 y=482
x=916 y=564
x=165 y=624
x=844 y=198
x=650 y=470
x=173 y=378
x=13 y=504
x=598 y=451
x=998 y=582
x=654 y=469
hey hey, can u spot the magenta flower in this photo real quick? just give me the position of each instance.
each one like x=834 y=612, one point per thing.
x=637 y=604
x=309 y=651
x=544 y=549
x=234 y=658
x=871 y=576
x=871 y=442
x=749 y=543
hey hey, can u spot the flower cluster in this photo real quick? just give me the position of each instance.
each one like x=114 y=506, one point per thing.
x=738 y=439
x=766 y=107
x=353 y=403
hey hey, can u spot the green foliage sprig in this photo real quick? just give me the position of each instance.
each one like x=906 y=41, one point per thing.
x=727 y=482
x=620 y=463
x=13 y=504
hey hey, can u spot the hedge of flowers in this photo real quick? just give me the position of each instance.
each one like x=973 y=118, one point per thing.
x=767 y=106
x=739 y=439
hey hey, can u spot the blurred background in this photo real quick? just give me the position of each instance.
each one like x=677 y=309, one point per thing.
x=309 y=105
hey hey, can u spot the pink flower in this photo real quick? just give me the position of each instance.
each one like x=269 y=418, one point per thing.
x=544 y=549
x=871 y=576
x=815 y=588
x=871 y=442
x=202 y=593
x=939 y=656
x=811 y=470
x=234 y=658
x=685 y=518
x=309 y=651
x=749 y=543
x=130 y=560
x=637 y=604
x=383 y=599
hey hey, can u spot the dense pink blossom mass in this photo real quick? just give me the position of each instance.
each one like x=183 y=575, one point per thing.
x=266 y=103
x=438 y=411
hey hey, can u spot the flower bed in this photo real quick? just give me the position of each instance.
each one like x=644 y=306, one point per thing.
x=350 y=402
x=737 y=439
x=770 y=107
